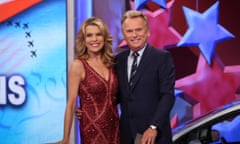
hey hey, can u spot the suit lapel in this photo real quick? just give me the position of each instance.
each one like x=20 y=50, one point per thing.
x=142 y=65
x=125 y=71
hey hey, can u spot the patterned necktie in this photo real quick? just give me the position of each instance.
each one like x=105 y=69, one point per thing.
x=134 y=69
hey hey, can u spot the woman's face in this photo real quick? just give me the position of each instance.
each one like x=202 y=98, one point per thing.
x=94 y=39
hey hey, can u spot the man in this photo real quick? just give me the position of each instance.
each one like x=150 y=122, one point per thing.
x=146 y=89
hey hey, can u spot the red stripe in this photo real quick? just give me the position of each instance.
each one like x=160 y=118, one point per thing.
x=12 y=8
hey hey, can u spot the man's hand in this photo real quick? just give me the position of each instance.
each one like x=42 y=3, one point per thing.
x=149 y=136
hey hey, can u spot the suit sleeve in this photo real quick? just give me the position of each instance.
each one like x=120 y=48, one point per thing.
x=166 y=76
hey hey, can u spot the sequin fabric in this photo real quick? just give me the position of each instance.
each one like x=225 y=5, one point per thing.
x=100 y=121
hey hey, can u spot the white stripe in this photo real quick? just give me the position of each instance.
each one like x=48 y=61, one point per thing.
x=5 y=1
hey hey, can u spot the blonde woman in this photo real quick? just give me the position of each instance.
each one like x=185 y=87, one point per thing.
x=91 y=76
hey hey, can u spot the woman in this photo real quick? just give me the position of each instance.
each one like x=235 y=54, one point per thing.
x=92 y=77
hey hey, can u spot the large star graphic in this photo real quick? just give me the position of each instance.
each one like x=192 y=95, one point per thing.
x=211 y=86
x=183 y=108
x=162 y=34
x=138 y=4
x=204 y=31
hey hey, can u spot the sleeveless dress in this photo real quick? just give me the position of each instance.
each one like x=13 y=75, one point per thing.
x=100 y=121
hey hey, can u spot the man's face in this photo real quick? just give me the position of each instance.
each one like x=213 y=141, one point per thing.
x=135 y=32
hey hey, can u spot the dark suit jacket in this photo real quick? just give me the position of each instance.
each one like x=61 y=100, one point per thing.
x=152 y=97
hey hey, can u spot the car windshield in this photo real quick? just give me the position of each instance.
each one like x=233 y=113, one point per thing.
x=203 y=117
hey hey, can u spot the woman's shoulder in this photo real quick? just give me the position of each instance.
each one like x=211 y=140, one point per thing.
x=77 y=66
x=76 y=70
x=77 y=62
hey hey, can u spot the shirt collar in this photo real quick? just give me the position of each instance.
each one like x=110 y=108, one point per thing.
x=140 y=52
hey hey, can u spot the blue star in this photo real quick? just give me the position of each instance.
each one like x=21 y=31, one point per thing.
x=140 y=3
x=204 y=31
x=178 y=92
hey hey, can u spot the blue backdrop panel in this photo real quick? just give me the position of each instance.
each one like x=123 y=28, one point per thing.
x=33 y=56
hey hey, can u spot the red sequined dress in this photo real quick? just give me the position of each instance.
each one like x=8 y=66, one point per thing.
x=100 y=121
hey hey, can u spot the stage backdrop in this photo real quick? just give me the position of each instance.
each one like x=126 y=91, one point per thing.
x=203 y=37
x=33 y=60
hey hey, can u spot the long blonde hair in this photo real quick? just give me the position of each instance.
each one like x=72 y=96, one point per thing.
x=81 y=49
